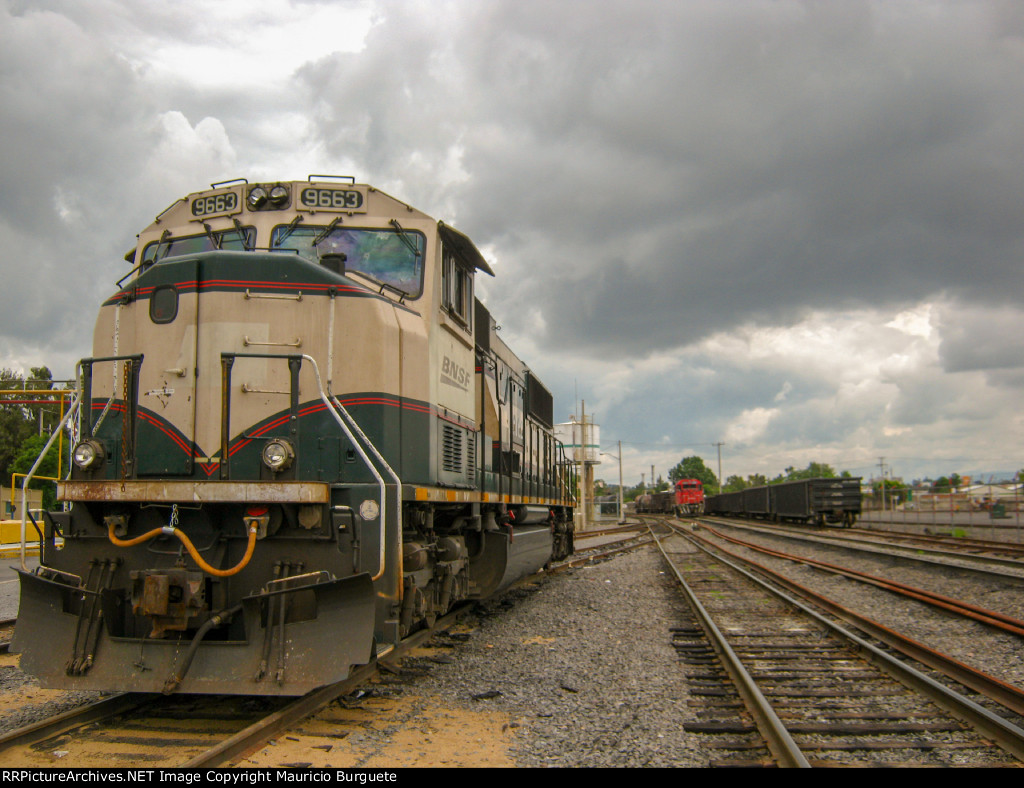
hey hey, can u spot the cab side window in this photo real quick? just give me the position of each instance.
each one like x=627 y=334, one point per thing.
x=457 y=290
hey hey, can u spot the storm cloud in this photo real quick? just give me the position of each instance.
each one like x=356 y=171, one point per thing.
x=792 y=227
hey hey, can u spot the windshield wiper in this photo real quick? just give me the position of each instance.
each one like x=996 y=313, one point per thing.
x=164 y=238
x=243 y=236
x=402 y=294
x=326 y=231
x=215 y=239
x=287 y=231
x=405 y=238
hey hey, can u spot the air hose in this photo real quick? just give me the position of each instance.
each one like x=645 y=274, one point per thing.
x=171 y=531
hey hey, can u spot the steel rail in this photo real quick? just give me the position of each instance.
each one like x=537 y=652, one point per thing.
x=989 y=545
x=76 y=718
x=245 y=741
x=609 y=531
x=1000 y=691
x=614 y=549
x=911 y=552
x=779 y=740
x=259 y=733
x=256 y=735
x=985 y=616
x=1008 y=735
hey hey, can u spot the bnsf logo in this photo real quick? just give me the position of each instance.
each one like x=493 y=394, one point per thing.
x=454 y=374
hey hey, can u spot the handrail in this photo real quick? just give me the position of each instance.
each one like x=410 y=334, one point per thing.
x=335 y=407
x=294 y=362
x=398 y=482
x=130 y=405
x=75 y=403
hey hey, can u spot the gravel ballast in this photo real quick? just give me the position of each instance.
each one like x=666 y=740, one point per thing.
x=580 y=661
x=585 y=661
x=582 y=666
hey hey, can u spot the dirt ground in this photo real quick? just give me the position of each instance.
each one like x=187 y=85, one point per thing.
x=411 y=730
x=407 y=732
x=373 y=731
x=24 y=696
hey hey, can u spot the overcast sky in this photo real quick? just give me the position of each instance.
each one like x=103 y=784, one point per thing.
x=794 y=228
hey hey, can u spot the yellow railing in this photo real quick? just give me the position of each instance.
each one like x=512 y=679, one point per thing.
x=58 y=433
x=62 y=394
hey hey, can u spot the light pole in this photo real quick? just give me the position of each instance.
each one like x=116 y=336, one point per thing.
x=619 y=458
x=881 y=465
x=721 y=481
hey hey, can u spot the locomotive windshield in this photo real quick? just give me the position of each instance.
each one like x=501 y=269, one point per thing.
x=388 y=257
x=235 y=240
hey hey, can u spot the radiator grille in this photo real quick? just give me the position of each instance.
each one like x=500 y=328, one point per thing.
x=458 y=455
x=452 y=449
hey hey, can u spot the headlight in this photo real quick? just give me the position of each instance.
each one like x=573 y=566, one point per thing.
x=278 y=196
x=278 y=454
x=88 y=454
x=257 y=198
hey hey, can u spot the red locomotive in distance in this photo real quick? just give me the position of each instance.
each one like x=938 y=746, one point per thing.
x=685 y=498
x=689 y=496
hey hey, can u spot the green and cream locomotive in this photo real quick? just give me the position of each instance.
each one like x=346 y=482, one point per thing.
x=299 y=439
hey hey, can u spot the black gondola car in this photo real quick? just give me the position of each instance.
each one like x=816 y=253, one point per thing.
x=819 y=501
x=757 y=501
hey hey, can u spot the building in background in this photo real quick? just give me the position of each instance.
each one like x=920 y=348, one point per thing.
x=582 y=440
x=10 y=508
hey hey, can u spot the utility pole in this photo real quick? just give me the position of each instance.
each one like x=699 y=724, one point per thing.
x=721 y=481
x=619 y=457
x=621 y=518
x=583 y=466
x=881 y=465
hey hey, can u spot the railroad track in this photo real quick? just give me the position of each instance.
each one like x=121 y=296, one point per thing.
x=945 y=552
x=632 y=537
x=992 y=618
x=958 y=543
x=190 y=731
x=133 y=730
x=814 y=693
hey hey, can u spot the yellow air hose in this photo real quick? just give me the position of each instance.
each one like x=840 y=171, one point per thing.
x=250 y=548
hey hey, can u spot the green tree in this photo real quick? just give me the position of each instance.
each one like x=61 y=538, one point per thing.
x=895 y=491
x=734 y=484
x=15 y=422
x=694 y=468
x=27 y=455
x=44 y=417
x=814 y=470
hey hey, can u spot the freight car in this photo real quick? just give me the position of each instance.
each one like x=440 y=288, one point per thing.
x=685 y=498
x=300 y=438
x=817 y=501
